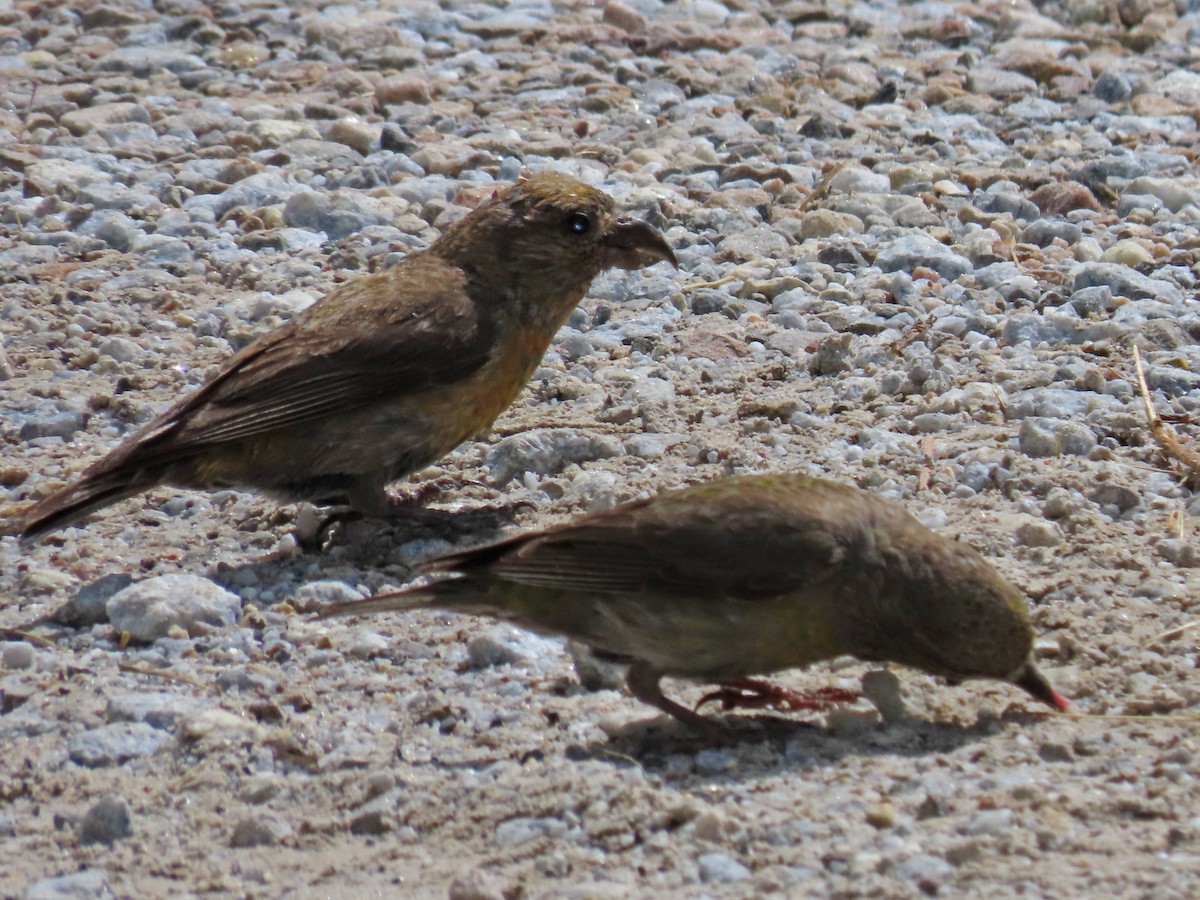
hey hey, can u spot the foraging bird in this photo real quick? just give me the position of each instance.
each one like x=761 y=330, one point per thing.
x=386 y=373
x=742 y=577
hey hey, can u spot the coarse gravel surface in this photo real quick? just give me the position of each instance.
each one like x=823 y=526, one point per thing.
x=917 y=244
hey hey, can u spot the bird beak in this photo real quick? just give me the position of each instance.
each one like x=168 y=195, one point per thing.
x=632 y=244
x=1034 y=682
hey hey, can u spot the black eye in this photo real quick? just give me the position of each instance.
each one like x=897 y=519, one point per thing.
x=578 y=223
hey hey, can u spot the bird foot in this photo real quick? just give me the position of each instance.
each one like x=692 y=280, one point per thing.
x=753 y=693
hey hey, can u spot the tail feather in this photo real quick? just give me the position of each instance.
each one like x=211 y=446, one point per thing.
x=451 y=594
x=76 y=500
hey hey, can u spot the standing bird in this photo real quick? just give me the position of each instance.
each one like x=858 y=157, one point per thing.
x=387 y=373
x=742 y=577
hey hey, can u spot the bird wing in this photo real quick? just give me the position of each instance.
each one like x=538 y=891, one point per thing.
x=340 y=355
x=646 y=547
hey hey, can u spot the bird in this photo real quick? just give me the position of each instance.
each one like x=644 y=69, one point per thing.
x=743 y=577
x=387 y=373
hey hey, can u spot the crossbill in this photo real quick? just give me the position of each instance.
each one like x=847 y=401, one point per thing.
x=386 y=373
x=743 y=577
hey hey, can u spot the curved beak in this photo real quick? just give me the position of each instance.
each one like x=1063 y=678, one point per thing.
x=632 y=244
x=1034 y=682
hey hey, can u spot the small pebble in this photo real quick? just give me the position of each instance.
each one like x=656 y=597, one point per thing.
x=261 y=830
x=17 y=655
x=718 y=868
x=107 y=821
x=149 y=609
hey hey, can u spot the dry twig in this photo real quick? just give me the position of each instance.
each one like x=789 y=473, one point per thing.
x=1162 y=433
x=821 y=191
x=159 y=673
x=1172 y=633
x=23 y=635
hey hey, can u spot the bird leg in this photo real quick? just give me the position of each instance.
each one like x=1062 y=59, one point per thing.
x=642 y=681
x=754 y=693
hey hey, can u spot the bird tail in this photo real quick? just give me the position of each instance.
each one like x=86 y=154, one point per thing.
x=89 y=493
x=451 y=594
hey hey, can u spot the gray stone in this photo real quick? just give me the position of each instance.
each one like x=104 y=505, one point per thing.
x=315 y=595
x=158 y=709
x=475 y=886
x=1050 y=403
x=720 y=868
x=372 y=821
x=338 y=216
x=1126 y=282
x=1168 y=190
x=89 y=606
x=1093 y=301
x=1041 y=438
x=1122 y=498
x=999 y=82
x=989 y=821
x=912 y=250
x=114 y=228
x=1032 y=328
x=53 y=419
x=148 y=60
x=260 y=189
x=111 y=745
x=1112 y=87
x=834 y=354
x=504 y=645
x=522 y=830
x=89 y=884
x=261 y=788
x=148 y=609
x=1179 y=552
x=544 y=452
x=107 y=821
x=924 y=868
x=260 y=830
x=91 y=118
x=1039 y=534
x=367 y=645
x=1000 y=201
x=17 y=655
x=929 y=423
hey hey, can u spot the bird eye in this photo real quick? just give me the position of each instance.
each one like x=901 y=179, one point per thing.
x=578 y=223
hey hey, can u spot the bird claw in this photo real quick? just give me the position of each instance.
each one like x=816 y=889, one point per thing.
x=751 y=693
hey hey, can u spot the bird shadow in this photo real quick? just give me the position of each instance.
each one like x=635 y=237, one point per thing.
x=374 y=545
x=743 y=747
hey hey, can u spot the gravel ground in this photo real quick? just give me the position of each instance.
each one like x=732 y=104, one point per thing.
x=917 y=244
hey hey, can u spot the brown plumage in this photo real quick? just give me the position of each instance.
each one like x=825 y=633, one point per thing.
x=388 y=372
x=744 y=577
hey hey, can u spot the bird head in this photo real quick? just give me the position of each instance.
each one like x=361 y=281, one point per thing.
x=950 y=612
x=550 y=234
x=1033 y=682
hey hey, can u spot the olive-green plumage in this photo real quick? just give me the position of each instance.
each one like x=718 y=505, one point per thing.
x=743 y=577
x=388 y=372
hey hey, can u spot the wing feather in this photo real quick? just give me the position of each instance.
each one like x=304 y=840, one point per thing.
x=337 y=356
x=673 y=548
